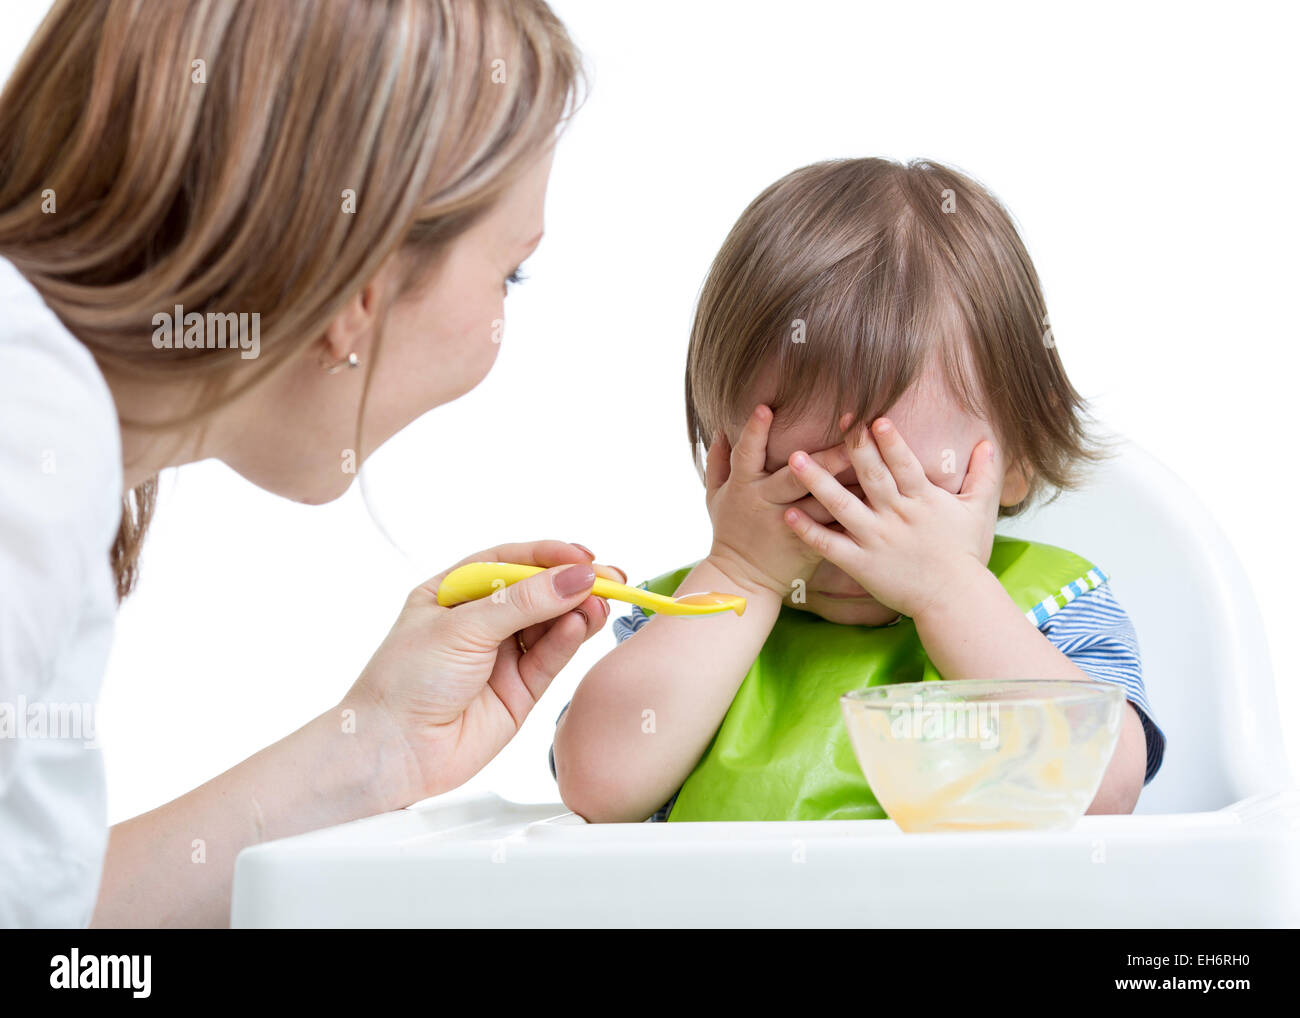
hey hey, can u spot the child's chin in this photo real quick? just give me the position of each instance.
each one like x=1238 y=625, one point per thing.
x=849 y=612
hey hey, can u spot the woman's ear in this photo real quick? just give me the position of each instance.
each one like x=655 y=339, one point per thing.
x=352 y=328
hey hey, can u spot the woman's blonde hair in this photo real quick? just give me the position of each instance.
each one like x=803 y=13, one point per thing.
x=850 y=278
x=197 y=153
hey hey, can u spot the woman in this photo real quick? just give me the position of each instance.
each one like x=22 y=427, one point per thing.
x=364 y=177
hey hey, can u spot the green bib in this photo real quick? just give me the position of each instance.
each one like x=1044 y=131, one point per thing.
x=782 y=751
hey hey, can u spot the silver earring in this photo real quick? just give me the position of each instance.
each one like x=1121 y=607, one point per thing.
x=350 y=361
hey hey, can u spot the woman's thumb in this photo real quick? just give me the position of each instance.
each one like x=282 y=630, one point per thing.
x=539 y=598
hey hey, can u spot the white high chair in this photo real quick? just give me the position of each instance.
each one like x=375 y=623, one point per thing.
x=1205 y=658
x=1215 y=842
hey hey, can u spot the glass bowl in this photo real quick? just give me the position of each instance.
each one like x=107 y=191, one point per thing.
x=970 y=754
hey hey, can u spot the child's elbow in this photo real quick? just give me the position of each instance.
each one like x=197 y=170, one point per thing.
x=1122 y=784
x=596 y=801
x=585 y=786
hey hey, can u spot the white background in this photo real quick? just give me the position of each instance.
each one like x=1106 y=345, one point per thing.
x=1148 y=153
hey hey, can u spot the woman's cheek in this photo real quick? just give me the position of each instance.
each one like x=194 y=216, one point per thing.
x=467 y=358
x=487 y=352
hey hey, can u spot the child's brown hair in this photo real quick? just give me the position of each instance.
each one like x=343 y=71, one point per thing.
x=849 y=277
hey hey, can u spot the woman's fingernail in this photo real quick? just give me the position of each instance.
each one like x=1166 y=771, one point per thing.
x=798 y=461
x=605 y=605
x=573 y=580
x=620 y=573
x=585 y=621
x=590 y=554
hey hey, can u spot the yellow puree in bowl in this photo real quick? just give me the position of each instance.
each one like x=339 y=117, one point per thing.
x=1032 y=778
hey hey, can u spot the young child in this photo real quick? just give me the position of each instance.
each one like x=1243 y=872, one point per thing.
x=872 y=373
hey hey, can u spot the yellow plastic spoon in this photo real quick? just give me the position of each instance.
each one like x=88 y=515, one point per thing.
x=480 y=579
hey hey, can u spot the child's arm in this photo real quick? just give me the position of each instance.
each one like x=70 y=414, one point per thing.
x=923 y=552
x=643 y=716
x=975 y=631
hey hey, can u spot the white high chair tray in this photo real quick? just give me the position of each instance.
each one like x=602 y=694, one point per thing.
x=481 y=861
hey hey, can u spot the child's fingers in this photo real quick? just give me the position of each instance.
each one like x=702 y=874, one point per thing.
x=873 y=473
x=809 y=504
x=750 y=454
x=845 y=507
x=908 y=474
x=981 y=480
x=837 y=548
x=717 y=464
x=784 y=486
x=811 y=507
x=837 y=460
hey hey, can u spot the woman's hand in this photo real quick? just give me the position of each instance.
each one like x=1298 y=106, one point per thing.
x=454 y=684
x=911 y=541
x=751 y=545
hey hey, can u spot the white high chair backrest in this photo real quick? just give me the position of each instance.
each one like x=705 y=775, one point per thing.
x=1205 y=658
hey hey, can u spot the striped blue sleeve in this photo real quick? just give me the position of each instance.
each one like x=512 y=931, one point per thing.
x=626 y=625
x=1094 y=632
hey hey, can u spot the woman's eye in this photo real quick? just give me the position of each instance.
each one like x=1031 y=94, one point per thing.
x=514 y=279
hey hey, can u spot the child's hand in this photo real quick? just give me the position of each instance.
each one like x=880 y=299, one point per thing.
x=751 y=543
x=911 y=540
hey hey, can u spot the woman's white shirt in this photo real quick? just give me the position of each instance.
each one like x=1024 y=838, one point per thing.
x=60 y=505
